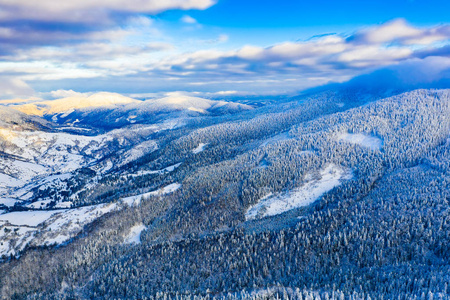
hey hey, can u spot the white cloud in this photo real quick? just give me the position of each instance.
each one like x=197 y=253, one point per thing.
x=131 y=56
x=89 y=10
x=14 y=87
x=223 y=38
x=225 y=93
x=370 y=48
x=84 y=53
x=400 y=31
x=188 y=20
x=391 y=31
x=373 y=54
x=58 y=94
x=46 y=70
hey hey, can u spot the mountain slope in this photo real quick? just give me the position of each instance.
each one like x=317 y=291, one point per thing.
x=362 y=188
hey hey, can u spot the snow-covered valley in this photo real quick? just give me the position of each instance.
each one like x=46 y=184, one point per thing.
x=22 y=229
x=36 y=161
x=45 y=227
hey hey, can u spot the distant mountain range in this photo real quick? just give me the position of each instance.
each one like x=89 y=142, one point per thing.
x=109 y=110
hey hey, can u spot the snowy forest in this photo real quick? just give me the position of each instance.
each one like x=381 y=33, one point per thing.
x=330 y=195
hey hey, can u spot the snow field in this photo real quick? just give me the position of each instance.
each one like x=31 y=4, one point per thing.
x=162 y=171
x=136 y=200
x=139 y=151
x=317 y=185
x=199 y=148
x=134 y=236
x=368 y=141
x=27 y=218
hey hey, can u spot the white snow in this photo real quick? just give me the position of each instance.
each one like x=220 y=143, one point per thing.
x=313 y=189
x=39 y=204
x=136 y=200
x=174 y=101
x=28 y=218
x=139 y=151
x=53 y=152
x=38 y=228
x=70 y=222
x=14 y=239
x=277 y=138
x=179 y=101
x=12 y=194
x=135 y=234
x=64 y=204
x=202 y=111
x=41 y=154
x=171 y=168
x=199 y=148
x=69 y=104
x=7 y=181
x=368 y=141
x=162 y=171
x=38 y=155
x=169 y=188
x=8 y=201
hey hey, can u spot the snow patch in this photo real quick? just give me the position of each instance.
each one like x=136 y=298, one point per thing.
x=39 y=204
x=64 y=204
x=70 y=222
x=8 y=201
x=162 y=171
x=28 y=218
x=8 y=181
x=136 y=200
x=202 y=111
x=40 y=228
x=199 y=148
x=134 y=237
x=277 y=138
x=139 y=151
x=368 y=141
x=317 y=185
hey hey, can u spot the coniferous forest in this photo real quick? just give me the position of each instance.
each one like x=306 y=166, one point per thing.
x=376 y=170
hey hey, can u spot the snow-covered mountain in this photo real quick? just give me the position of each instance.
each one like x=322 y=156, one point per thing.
x=70 y=104
x=39 y=139
x=110 y=110
x=197 y=193
x=11 y=118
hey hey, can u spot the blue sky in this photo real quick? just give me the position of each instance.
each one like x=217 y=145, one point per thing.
x=145 y=48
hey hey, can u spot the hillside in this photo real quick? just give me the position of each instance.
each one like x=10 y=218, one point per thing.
x=331 y=194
